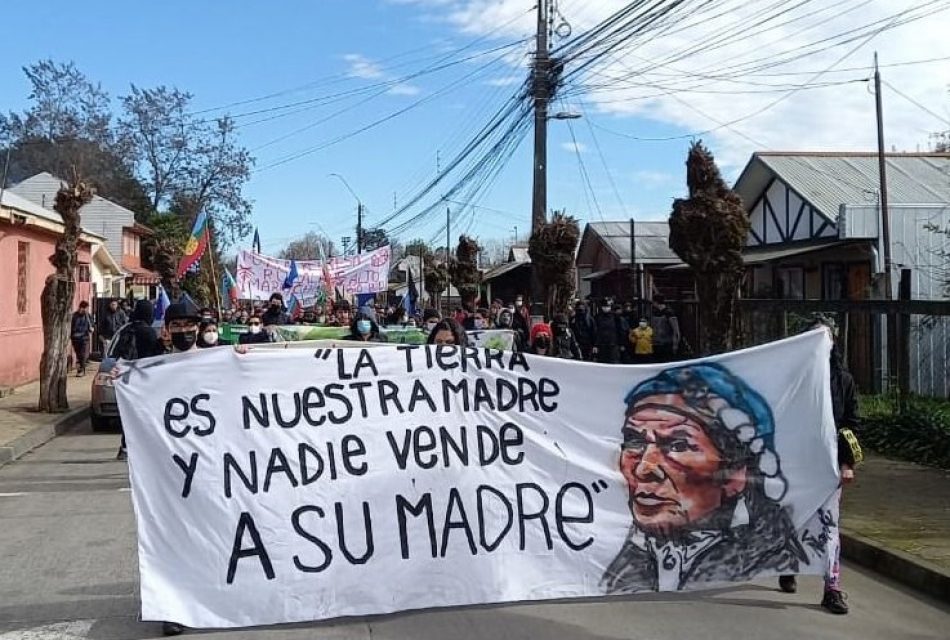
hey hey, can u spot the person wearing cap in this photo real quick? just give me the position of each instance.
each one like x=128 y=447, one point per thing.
x=540 y=339
x=704 y=482
x=181 y=326
x=844 y=407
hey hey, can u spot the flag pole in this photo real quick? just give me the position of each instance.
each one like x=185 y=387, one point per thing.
x=214 y=277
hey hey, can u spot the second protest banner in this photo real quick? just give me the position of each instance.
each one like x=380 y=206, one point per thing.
x=292 y=485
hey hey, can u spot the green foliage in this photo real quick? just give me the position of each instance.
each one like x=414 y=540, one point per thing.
x=920 y=434
x=708 y=231
x=552 y=248
x=374 y=239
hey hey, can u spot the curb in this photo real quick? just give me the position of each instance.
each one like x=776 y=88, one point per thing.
x=899 y=566
x=41 y=435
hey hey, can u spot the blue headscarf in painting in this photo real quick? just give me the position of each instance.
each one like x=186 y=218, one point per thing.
x=727 y=408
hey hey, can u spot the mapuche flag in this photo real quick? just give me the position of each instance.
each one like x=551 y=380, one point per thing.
x=196 y=245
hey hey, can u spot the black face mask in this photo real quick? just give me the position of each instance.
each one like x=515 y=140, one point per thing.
x=542 y=343
x=275 y=306
x=184 y=341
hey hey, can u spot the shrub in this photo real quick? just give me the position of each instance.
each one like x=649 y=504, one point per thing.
x=920 y=434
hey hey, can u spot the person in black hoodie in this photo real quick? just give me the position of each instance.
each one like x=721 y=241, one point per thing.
x=844 y=405
x=583 y=327
x=276 y=314
x=140 y=342
x=606 y=335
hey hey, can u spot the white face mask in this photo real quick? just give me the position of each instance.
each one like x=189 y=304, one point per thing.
x=211 y=337
x=479 y=323
x=431 y=325
x=643 y=324
x=518 y=303
x=254 y=328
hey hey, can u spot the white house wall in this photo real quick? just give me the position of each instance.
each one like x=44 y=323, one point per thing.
x=780 y=215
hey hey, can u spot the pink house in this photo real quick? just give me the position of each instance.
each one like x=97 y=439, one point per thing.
x=28 y=235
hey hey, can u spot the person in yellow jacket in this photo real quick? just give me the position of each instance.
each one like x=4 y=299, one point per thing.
x=641 y=338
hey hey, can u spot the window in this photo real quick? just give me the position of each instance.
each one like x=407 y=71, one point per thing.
x=833 y=280
x=22 y=277
x=790 y=283
x=82 y=273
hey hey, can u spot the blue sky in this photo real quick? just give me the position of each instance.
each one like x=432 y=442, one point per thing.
x=227 y=52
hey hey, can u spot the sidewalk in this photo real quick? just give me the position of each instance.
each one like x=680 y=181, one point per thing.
x=23 y=428
x=896 y=521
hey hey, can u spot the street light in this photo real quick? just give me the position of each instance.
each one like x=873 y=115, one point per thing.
x=359 y=212
x=564 y=115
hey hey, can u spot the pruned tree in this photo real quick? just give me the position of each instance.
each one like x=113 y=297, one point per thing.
x=436 y=279
x=464 y=269
x=416 y=247
x=551 y=248
x=162 y=250
x=57 y=299
x=708 y=231
x=311 y=246
x=374 y=239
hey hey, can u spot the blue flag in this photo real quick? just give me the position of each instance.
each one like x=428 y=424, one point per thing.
x=292 y=276
x=161 y=303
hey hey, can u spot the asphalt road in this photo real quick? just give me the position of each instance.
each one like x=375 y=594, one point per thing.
x=68 y=570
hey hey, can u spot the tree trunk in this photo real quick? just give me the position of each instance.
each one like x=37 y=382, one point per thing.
x=55 y=305
x=57 y=299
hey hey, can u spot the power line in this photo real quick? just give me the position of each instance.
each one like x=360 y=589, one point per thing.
x=914 y=102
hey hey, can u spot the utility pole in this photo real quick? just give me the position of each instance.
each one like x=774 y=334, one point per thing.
x=448 y=245
x=541 y=90
x=359 y=228
x=893 y=355
x=882 y=168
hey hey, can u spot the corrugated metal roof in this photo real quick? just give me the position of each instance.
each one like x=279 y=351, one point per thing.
x=502 y=269
x=828 y=180
x=652 y=240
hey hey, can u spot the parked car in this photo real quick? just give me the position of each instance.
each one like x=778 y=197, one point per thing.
x=103 y=408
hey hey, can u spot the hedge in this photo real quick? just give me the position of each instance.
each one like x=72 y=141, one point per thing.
x=920 y=434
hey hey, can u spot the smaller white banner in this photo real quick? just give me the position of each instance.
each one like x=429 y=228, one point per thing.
x=258 y=276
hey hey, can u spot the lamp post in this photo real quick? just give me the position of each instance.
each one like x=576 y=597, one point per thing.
x=359 y=212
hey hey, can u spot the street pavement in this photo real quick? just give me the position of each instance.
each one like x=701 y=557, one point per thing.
x=68 y=570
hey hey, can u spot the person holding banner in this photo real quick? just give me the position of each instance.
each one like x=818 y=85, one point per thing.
x=844 y=404
x=448 y=332
x=704 y=483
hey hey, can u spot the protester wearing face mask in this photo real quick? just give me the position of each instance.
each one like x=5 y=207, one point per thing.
x=541 y=339
x=641 y=342
x=606 y=333
x=255 y=332
x=521 y=320
x=208 y=335
x=430 y=318
x=478 y=321
x=505 y=321
x=563 y=345
x=364 y=327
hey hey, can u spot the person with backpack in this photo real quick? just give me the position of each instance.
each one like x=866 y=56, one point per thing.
x=80 y=330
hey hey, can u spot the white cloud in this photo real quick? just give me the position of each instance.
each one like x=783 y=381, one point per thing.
x=738 y=84
x=362 y=67
x=574 y=147
x=403 y=89
x=649 y=179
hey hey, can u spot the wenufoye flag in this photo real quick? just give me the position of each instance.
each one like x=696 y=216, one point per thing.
x=302 y=484
x=196 y=244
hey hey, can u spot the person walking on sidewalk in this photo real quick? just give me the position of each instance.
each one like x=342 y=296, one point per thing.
x=844 y=403
x=80 y=330
x=109 y=324
x=666 y=331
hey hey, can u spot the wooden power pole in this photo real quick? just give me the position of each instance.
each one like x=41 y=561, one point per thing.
x=541 y=91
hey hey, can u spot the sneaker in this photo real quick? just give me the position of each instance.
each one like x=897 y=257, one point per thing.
x=834 y=601
x=172 y=629
x=787 y=584
x=123 y=455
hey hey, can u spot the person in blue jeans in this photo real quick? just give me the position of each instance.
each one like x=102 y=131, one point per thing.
x=80 y=330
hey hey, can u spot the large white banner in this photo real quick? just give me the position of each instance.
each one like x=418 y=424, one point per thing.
x=259 y=276
x=290 y=485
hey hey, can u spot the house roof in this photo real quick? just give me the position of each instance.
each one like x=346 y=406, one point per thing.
x=42 y=189
x=140 y=229
x=829 y=179
x=502 y=269
x=519 y=253
x=652 y=240
x=49 y=217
